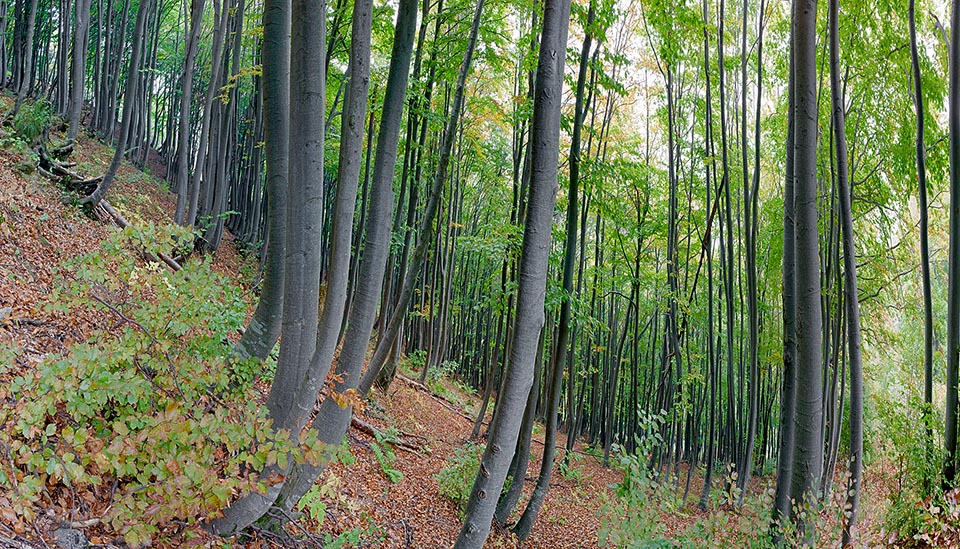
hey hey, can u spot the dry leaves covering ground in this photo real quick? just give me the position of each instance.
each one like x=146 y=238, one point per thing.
x=38 y=232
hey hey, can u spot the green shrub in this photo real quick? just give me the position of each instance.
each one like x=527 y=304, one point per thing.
x=383 y=451
x=918 y=509
x=456 y=478
x=146 y=407
x=32 y=120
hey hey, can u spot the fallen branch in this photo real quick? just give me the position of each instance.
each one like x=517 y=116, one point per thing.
x=369 y=429
x=443 y=402
x=9 y=543
x=172 y=263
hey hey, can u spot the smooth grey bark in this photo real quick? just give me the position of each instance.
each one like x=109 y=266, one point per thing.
x=203 y=142
x=750 y=221
x=129 y=100
x=555 y=380
x=333 y=420
x=710 y=170
x=532 y=278
x=304 y=209
x=521 y=458
x=264 y=329
x=427 y=226
x=953 y=284
x=25 y=81
x=78 y=68
x=924 y=228
x=850 y=296
x=808 y=452
x=186 y=97
x=788 y=393
x=226 y=136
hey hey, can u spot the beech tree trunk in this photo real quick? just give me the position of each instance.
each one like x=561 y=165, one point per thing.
x=129 y=101
x=532 y=278
x=924 y=230
x=78 y=70
x=186 y=100
x=264 y=329
x=808 y=452
x=301 y=290
x=953 y=284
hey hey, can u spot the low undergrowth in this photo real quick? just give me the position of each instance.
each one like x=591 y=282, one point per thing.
x=145 y=427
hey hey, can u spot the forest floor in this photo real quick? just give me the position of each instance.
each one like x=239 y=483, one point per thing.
x=39 y=232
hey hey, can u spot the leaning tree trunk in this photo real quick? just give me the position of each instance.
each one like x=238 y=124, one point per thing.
x=532 y=278
x=264 y=328
x=301 y=289
x=529 y=517
x=427 y=228
x=924 y=231
x=333 y=420
x=129 y=100
x=850 y=296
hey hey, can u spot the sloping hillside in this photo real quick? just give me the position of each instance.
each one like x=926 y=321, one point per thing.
x=386 y=498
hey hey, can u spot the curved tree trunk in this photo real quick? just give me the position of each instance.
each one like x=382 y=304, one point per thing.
x=427 y=228
x=924 y=231
x=186 y=99
x=532 y=278
x=301 y=290
x=129 y=100
x=555 y=380
x=264 y=328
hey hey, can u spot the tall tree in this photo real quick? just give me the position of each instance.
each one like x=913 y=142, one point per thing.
x=129 y=101
x=555 y=383
x=953 y=283
x=78 y=69
x=921 y=156
x=850 y=298
x=532 y=278
x=264 y=328
x=808 y=451
x=301 y=288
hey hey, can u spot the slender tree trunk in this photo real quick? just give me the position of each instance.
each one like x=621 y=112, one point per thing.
x=953 y=284
x=264 y=329
x=924 y=232
x=78 y=70
x=186 y=101
x=532 y=277
x=427 y=227
x=26 y=67
x=555 y=380
x=850 y=295
x=133 y=81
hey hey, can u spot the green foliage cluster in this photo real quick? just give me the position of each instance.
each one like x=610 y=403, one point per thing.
x=383 y=451
x=456 y=478
x=32 y=120
x=919 y=510
x=633 y=516
x=149 y=408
